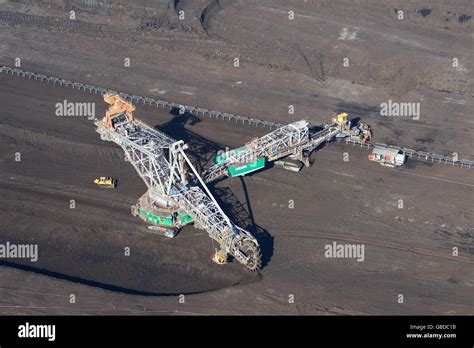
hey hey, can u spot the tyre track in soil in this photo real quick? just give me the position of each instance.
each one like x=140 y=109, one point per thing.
x=36 y=197
x=381 y=242
x=204 y=46
x=316 y=102
x=46 y=142
x=287 y=233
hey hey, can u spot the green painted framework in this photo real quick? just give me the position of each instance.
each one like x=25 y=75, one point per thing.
x=224 y=156
x=165 y=220
x=241 y=169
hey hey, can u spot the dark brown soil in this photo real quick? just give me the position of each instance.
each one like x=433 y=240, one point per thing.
x=409 y=251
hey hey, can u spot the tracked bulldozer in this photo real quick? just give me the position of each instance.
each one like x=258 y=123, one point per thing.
x=106 y=182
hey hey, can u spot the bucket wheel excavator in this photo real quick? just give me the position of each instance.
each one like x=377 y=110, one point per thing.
x=176 y=195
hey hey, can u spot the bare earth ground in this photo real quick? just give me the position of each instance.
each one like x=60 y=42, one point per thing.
x=282 y=62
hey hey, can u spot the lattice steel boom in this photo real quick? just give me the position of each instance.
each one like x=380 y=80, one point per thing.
x=164 y=167
x=295 y=140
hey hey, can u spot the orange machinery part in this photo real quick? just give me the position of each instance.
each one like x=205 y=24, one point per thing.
x=117 y=105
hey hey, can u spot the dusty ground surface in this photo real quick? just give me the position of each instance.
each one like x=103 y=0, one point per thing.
x=282 y=62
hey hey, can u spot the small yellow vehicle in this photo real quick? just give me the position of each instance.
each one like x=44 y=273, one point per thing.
x=106 y=182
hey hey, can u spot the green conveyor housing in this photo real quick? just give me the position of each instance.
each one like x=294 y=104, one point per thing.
x=240 y=168
x=245 y=168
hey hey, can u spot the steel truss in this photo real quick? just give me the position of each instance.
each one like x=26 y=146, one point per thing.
x=292 y=139
x=164 y=167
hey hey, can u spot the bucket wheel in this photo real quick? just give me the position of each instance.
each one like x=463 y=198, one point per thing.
x=249 y=249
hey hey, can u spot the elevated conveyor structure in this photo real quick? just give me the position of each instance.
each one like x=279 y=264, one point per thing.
x=295 y=140
x=57 y=81
x=417 y=154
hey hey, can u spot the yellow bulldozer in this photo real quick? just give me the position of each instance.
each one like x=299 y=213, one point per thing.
x=106 y=182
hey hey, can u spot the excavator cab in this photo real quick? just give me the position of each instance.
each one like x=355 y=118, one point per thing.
x=341 y=118
x=342 y=121
x=106 y=182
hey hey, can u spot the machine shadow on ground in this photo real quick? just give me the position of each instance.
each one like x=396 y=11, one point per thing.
x=201 y=149
x=243 y=217
x=201 y=152
x=92 y=283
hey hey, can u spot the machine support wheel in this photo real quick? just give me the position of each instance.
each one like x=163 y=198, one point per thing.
x=220 y=257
